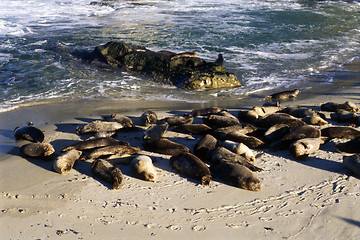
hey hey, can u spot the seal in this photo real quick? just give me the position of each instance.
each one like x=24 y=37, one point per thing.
x=315 y=120
x=221 y=154
x=205 y=111
x=279 y=118
x=250 y=141
x=237 y=175
x=155 y=132
x=94 y=143
x=238 y=148
x=117 y=149
x=191 y=166
x=351 y=146
x=283 y=95
x=197 y=129
x=107 y=172
x=218 y=121
x=143 y=168
x=178 y=120
x=201 y=148
x=98 y=126
x=306 y=131
x=165 y=146
x=302 y=148
x=220 y=60
x=340 y=132
x=352 y=164
x=148 y=118
x=64 y=163
x=124 y=120
x=346 y=117
x=335 y=107
x=29 y=133
x=37 y=150
x=276 y=132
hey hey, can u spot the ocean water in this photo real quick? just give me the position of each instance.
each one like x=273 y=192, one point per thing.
x=268 y=44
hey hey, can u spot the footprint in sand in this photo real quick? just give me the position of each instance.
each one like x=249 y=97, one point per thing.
x=198 y=228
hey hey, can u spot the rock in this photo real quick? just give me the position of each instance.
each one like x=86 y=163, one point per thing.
x=181 y=70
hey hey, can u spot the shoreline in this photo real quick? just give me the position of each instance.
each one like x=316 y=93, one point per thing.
x=316 y=196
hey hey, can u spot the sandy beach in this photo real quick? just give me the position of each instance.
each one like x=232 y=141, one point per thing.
x=312 y=199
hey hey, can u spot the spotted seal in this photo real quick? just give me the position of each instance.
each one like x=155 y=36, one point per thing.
x=143 y=168
x=108 y=172
x=191 y=166
x=65 y=162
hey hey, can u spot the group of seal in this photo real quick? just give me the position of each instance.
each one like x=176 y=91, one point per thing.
x=224 y=151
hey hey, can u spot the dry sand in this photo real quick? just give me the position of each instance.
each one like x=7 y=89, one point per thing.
x=314 y=199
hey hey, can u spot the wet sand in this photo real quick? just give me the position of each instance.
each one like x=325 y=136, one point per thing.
x=314 y=199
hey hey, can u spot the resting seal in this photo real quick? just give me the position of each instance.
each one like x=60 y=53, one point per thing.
x=302 y=148
x=64 y=163
x=238 y=148
x=117 y=149
x=148 y=118
x=340 y=132
x=37 y=149
x=143 y=168
x=29 y=133
x=155 y=132
x=352 y=163
x=107 y=172
x=191 y=166
x=217 y=121
x=237 y=175
x=124 y=120
x=352 y=146
x=165 y=146
x=98 y=126
x=94 y=143
x=205 y=111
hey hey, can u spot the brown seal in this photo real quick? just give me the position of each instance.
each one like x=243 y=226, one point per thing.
x=107 y=172
x=221 y=154
x=124 y=120
x=238 y=148
x=279 y=118
x=117 y=149
x=315 y=120
x=283 y=95
x=250 y=141
x=183 y=55
x=205 y=111
x=346 y=117
x=29 y=133
x=352 y=146
x=64 y=163
x=37 y=150
x=340 y=132
x=352 y=164
x=237 y=175
x=208 y=142
x=191 y=166
x=197 y=129
x=218 y=121
x=143 y=168
x=94 y=143
x=335 y=107
x=178 y=120
x=165 y=146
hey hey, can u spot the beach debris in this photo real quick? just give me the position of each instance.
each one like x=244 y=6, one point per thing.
x=237 y=175
x=283 y=95
x=34 y=150
x=29 y=133
x=98 y=126
x=352 y=164
x=65 y=162
x=143 y=168
x=108 y=172
x=191 y=166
